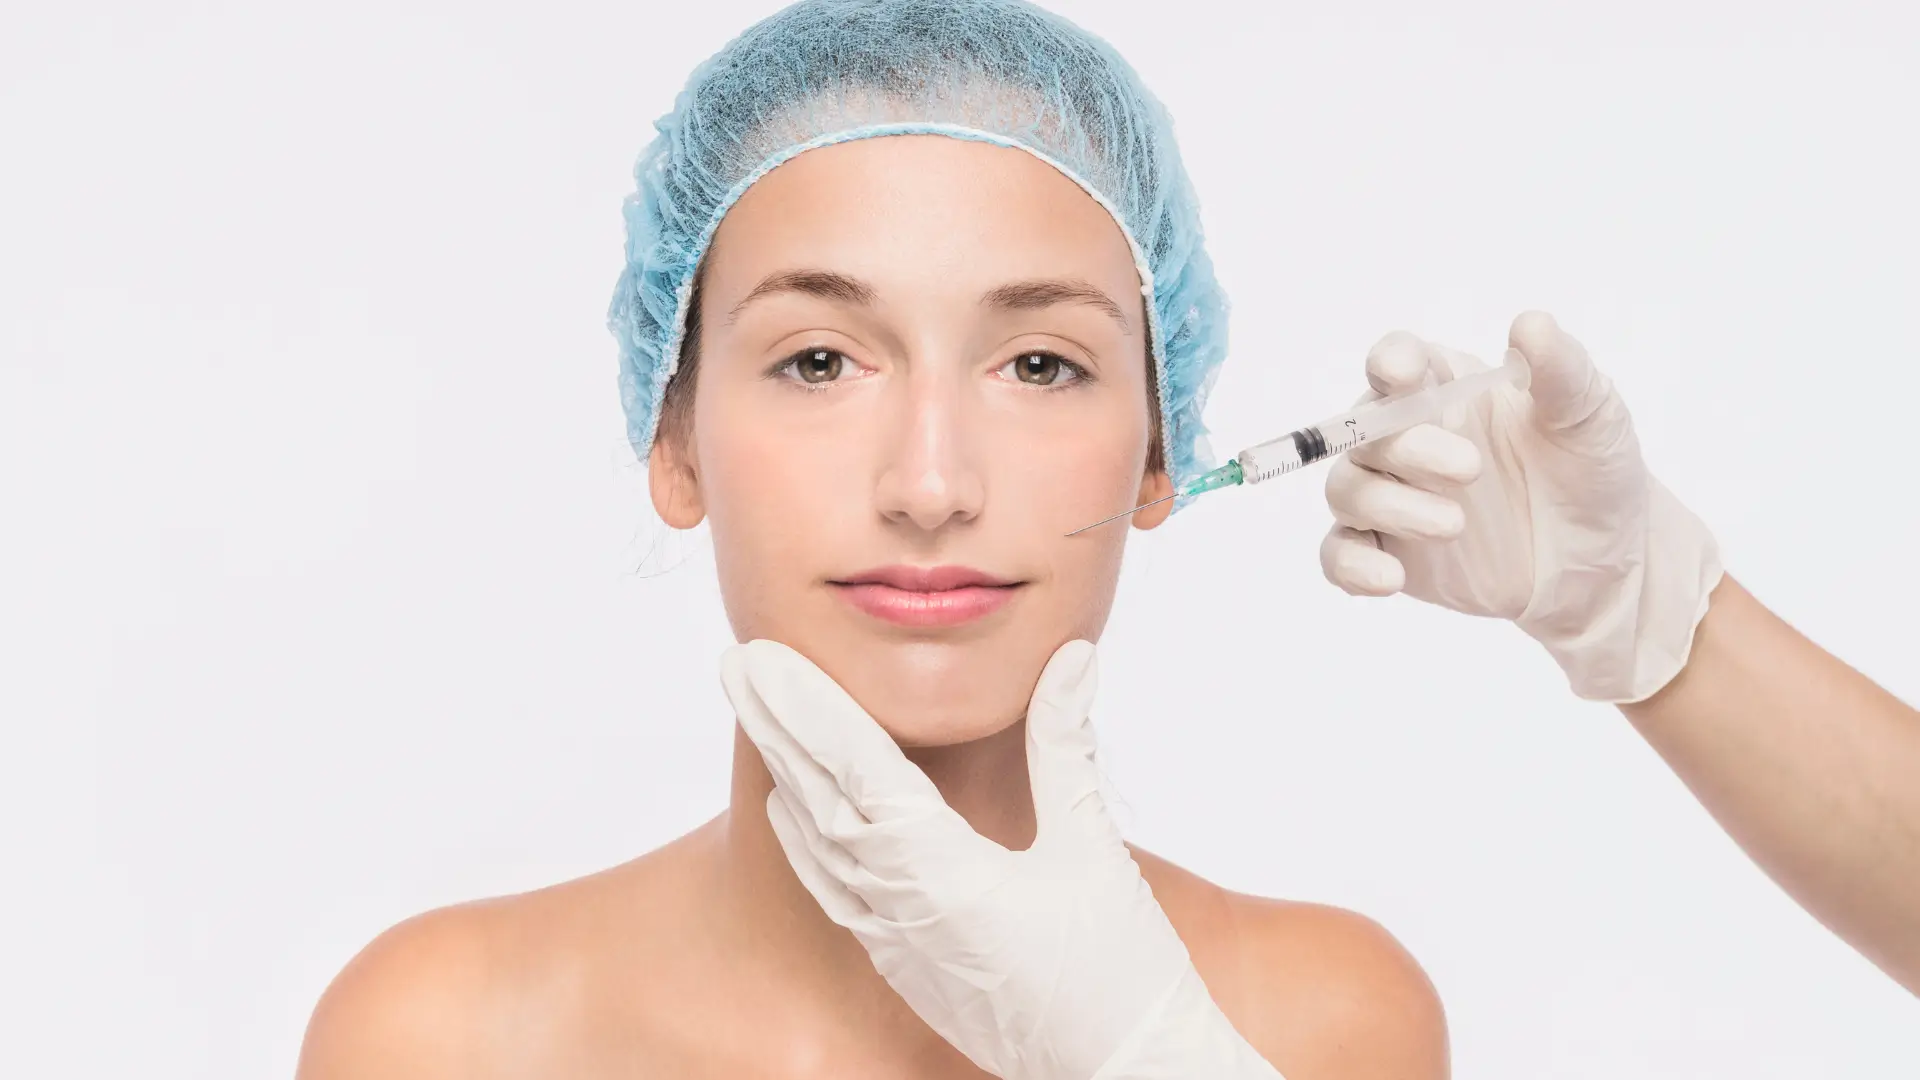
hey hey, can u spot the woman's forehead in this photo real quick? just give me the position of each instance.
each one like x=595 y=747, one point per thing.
x=925 y=207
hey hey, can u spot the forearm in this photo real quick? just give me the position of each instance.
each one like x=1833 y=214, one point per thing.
x=1808 y=765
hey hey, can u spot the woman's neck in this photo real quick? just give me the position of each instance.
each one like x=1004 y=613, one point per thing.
x=779 y=924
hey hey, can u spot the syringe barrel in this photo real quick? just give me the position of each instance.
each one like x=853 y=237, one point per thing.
x=1375 y=420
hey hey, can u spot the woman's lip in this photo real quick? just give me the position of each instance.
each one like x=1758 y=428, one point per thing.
x=926 y=607
x=924 y=578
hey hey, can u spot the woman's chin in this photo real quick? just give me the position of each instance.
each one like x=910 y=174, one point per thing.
x=930 y=716
x=940 y=693
x=933 y=724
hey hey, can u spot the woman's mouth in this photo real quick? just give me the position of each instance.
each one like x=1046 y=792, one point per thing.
x=926 y=596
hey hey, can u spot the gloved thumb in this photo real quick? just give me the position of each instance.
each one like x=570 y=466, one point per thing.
x=1568 y=391
x=817 y=741
x=1060 y=740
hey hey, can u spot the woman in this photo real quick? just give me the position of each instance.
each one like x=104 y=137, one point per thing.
x=914 y=289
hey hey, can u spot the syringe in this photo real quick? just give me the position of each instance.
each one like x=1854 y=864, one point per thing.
x=1369 y=422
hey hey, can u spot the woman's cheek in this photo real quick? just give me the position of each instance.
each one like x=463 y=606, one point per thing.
x=1091 y=466
x=1086 y=478
x=754 y=478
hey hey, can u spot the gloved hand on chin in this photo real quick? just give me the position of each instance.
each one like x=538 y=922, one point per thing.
x=1053 y=963
x=1533 y=506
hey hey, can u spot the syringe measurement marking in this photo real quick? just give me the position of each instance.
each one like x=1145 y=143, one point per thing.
x=1326 y=451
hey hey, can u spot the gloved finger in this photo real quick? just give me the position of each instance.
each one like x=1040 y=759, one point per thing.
x=1353 y=560
x=891 y=838
x=795 y=713
x=1426 y=456
x=812 y=788
x=814 y=860
x=1568 y=391
x=1371 y=501
x=1060 y=739
x=1398 y=364
x=902 y=871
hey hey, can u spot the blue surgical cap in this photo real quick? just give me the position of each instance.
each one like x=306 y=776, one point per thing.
x=998 y=71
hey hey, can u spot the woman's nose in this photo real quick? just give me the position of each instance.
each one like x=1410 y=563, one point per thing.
x=931 y=478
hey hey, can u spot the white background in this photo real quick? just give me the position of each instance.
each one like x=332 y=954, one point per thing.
x=329 y=594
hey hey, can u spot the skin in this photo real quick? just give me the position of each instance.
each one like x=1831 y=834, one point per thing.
x=1809 y=765
x=708 y=957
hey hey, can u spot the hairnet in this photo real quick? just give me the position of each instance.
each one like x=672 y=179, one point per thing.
x=999 y=71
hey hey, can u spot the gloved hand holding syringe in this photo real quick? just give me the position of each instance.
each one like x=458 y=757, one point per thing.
x=1368 y=422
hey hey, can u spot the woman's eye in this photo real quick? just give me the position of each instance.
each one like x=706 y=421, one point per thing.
x=1044 y=369
x=815 y=366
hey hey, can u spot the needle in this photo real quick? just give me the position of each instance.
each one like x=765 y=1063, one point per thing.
x=1372 y=421
x=1124 y=513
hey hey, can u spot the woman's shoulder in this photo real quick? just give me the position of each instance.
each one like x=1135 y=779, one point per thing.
x=504 y=986
x=1320 y=991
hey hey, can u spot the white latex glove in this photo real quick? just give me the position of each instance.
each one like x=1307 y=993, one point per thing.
x=1055 y=962
x=1533 y=506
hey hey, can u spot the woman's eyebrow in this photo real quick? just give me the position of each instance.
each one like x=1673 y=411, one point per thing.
x=1013 y=296
x=822 y=283
x=1046 y=292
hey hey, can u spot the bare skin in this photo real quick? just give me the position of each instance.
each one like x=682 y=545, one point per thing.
x=918 y=277
x=1808 y=765
x=708 y=958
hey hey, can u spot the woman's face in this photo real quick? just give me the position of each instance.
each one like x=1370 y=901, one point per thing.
x=922 y=362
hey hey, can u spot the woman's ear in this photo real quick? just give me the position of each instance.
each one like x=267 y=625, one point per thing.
x=672 y=482
x=1155 y=485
